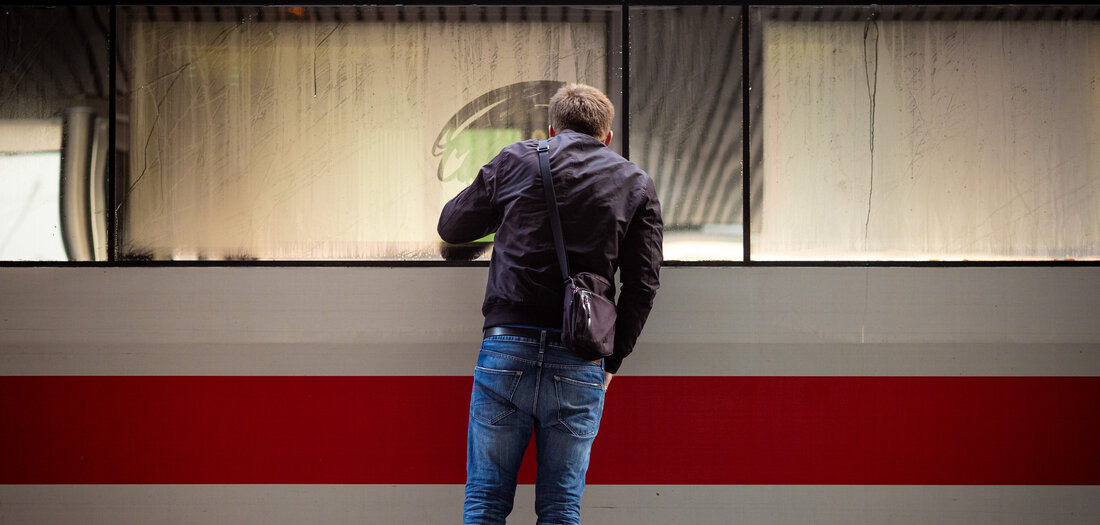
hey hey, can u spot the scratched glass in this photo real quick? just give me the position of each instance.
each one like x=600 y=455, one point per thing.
x=333 y=133
x=685 y=125
x=927 y=133
x=52 y=59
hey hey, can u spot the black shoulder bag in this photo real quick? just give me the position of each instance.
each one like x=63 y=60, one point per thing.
x=588 y=324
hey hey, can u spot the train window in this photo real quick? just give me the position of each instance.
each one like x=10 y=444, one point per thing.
x=927 y=133
x=875 y=133
x=332 y=133
x=685 y=123
x=54 y=62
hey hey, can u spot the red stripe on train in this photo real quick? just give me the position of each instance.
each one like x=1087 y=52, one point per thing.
x=659 y=430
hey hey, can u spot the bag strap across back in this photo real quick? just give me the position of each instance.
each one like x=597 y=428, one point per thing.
x=552 y=204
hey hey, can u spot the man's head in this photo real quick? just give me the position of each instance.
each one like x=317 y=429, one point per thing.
x=583 y=109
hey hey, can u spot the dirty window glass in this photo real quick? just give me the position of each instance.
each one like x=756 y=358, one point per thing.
x=685 y=124
x=54 y=77
x=917 y=133
x=332 y=133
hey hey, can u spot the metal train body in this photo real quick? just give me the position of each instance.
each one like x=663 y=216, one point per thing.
x=757 y=394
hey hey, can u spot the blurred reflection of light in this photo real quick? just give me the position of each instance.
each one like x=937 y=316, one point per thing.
x=702 y=246
x=30 y=225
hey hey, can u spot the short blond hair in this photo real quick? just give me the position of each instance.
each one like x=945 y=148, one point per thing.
x=583 y=109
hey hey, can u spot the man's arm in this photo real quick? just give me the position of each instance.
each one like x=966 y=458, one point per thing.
x=470 y=215
x=639 y=272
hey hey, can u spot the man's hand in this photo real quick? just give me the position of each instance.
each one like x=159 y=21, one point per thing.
x=607 y=380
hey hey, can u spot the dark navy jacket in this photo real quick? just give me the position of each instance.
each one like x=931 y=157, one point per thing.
x=611 y=220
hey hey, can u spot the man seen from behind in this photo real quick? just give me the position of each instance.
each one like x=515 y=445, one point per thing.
x=526 y=382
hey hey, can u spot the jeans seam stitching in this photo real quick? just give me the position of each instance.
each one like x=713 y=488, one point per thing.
x=507 y=356
x=498 y=371
x=571 y=366
x=511 y=339
x=579 y=382
x=576 y=366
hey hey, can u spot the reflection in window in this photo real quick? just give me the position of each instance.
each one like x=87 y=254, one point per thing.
x=685 y=124
x=929 y=133
x=54 y=76
x=30 y=160
x=295 y=133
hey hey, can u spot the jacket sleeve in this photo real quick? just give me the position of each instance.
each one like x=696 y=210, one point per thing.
x=471 y=215
x=639 y=272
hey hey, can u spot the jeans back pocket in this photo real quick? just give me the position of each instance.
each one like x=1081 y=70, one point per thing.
x=580 y=405
x=493 y=390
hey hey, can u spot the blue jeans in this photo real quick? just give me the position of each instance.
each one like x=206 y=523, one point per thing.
x=524 y=386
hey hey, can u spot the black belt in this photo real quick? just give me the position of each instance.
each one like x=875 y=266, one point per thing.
x=530 y=333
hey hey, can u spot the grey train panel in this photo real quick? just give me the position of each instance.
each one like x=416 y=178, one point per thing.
x=1040 y=305
x=603 y=504
x=406 y=321
x=456 y=358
